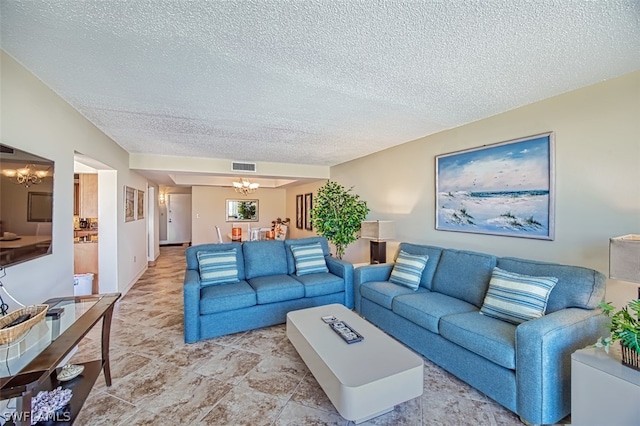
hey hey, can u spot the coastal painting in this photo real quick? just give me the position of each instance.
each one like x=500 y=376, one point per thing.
x=502 y=189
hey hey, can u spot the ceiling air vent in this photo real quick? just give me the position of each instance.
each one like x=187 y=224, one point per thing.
x=243 y=167
x=6 y=150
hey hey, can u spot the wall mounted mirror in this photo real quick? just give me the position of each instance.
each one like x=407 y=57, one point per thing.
x=242 y=210
x=26 y=206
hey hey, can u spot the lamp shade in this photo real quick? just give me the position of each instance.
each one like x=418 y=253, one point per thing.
x=378 y=229
x=624 y=258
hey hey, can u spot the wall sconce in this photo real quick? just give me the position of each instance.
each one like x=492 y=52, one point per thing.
x=161 y=198
x=377 y=231
x=624 y=259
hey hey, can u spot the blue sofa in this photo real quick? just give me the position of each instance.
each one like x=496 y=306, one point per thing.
x=525 y=367
x=267 y=288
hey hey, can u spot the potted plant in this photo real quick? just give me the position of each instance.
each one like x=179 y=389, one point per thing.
x=337 y=214
x=625 y=327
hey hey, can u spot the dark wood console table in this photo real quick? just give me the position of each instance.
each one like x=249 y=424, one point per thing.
x=36 y=369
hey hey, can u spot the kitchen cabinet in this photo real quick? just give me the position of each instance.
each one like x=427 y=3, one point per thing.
x=85 y=259
x=88 y=188
x=76 y=195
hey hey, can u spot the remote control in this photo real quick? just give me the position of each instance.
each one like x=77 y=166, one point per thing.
x=345 y=331
x=329 y=319
x=22 y=318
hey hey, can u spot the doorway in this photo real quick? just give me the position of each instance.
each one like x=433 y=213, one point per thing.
x=177 y=219
x=95 y=223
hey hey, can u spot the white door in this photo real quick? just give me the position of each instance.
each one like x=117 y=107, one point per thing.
x=178 y=218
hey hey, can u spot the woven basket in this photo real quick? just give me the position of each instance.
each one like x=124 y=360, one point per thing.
x=8 y=335
x=630 y=358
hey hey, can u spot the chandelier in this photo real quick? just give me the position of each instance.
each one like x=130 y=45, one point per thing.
x=245 y=187
x=27 y=176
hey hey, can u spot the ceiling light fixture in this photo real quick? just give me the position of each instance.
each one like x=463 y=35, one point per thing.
x=27 y=176
x=245 y=187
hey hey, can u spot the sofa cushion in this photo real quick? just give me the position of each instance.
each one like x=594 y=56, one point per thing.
x=577 y=287
x=218 y=267
x=407 y=270
x=291 y=262
x=191 y=253
x=516 y=298
x=426 y=308
x=491 y=338
x=383 y=292
x=276 y=288
x=309 y=259
x=464 y=275
x=321 y=284
x=264 y=258
x=432 y=252
x=221 y=298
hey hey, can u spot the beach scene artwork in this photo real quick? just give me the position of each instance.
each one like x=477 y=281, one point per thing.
x=503 y=189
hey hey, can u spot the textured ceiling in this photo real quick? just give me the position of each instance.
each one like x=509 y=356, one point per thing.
x=311 y=82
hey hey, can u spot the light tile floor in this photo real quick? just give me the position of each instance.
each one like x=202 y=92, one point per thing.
x=252 y=378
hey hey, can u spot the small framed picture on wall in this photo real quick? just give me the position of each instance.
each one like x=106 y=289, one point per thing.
x=308 y=205
x=299 y=211
x=140 y=209
x=129 y=203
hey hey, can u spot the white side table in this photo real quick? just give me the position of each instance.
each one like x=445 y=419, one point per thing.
x=603 y=391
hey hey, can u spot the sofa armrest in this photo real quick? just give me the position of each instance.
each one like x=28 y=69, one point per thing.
x=543 y=359
x=345 y=271
x=369 y=273
x=191 y=295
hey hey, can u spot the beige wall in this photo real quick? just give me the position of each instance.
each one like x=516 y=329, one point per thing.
x=35 y=119
x=597 y=136
x=208 y=207
x=291 y=206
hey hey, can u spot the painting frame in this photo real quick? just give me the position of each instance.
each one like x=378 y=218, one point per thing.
x=40 y=207
x=299 y=211
x=234 y=206
x=505 y=189
x=308 y=205
x=140 y=205
x=129 y=204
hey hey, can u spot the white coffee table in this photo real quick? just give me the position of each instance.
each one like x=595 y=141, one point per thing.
x=364 y=379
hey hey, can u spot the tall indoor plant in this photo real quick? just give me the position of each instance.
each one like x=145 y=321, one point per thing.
x=337 y=214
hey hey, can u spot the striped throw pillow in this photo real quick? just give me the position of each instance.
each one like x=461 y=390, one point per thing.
x=218 y=267
x=407 y=270
x=309 y=259
x=516 y=298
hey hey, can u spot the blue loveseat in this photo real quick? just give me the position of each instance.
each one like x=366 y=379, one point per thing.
x=267 y=286
x=525 y=367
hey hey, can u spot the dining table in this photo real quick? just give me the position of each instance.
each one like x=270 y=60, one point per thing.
x=18 y=245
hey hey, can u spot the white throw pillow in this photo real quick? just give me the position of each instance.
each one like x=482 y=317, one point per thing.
x=309 y=259
x=218 y=267
x=517 y=298
x=408 y=268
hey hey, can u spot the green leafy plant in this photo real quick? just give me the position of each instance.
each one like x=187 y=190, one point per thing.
x=337 y=214
x=246 y=210
x=624 y=326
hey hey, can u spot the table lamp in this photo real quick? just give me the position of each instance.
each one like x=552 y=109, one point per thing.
x=378 y=231
x=624 y=258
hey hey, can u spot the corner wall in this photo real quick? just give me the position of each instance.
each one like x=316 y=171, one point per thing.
x=597 y=154
x=292 y=213
x=35 y=119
